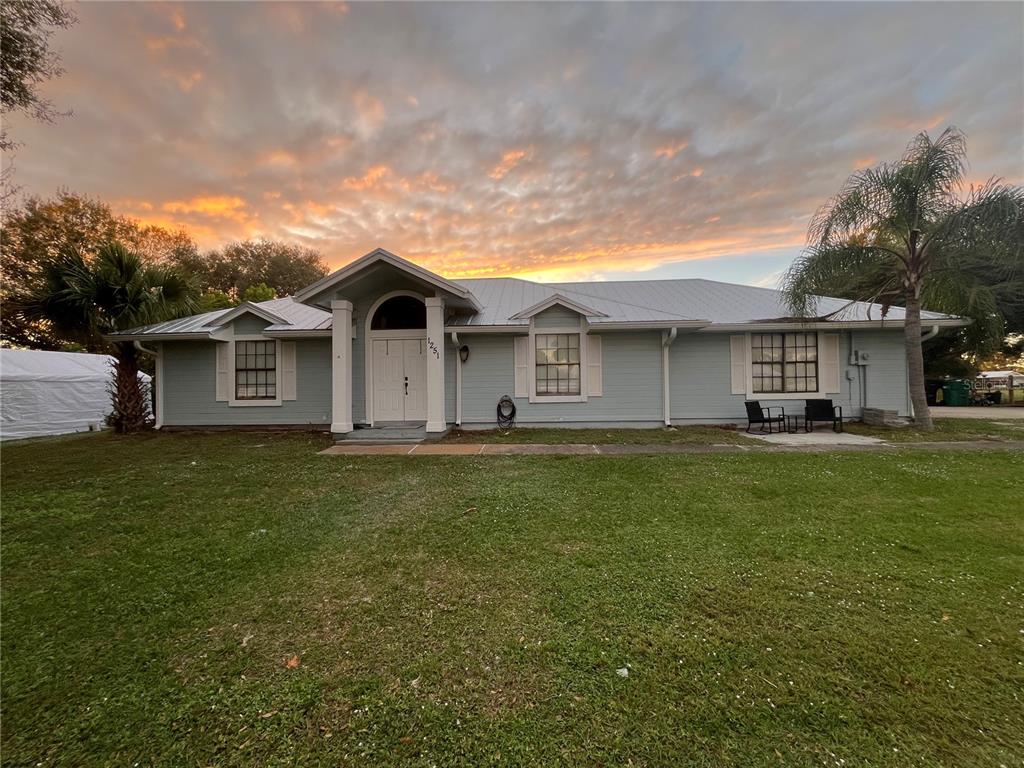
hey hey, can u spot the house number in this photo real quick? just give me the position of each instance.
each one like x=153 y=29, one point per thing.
x=433 y=348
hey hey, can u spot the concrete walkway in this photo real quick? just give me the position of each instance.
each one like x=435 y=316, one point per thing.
x=621 y=449
x=824 y=438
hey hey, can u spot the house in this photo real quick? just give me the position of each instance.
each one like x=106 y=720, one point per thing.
x=384 y=342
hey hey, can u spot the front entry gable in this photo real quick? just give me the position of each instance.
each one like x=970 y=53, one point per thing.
x=381 y=271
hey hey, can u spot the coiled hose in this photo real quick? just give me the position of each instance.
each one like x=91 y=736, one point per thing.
x=506 y=412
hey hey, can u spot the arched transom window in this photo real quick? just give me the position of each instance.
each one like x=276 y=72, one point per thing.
x=399 y=313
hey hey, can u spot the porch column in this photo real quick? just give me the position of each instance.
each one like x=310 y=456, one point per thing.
x=435 y=365
x=341 y=366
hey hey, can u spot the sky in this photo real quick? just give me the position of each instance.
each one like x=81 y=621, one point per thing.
x=553 y=141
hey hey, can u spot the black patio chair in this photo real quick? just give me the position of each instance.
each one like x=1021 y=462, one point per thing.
x=762 y=416
x=823 y=410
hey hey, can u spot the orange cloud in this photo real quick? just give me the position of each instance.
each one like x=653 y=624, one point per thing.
x=369 y=180
x=509 y=160
x=185 y=81
x=668 y=151
x=224 y=206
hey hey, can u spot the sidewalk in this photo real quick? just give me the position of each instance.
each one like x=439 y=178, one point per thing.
x=619 y=449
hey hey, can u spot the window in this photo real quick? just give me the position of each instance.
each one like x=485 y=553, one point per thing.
x=784 y=362
x=399 y=313
x=558 y=363
x=255 y=370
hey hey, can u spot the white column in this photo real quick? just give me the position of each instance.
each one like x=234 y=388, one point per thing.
x=341 y=367
x=435 y=365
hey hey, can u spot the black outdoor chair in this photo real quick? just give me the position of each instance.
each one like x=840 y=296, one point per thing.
x=756 y=415
x=823 y=410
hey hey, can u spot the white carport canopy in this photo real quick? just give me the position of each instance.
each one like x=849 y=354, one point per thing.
x=53 y=393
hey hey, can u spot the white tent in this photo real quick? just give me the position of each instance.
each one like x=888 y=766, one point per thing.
x=53 y=393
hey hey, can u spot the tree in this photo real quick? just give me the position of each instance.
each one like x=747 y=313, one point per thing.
x=904 y=231
x=258 y=292
x=26 y=62
x=214 y=299
x=87 y=298
x=282 y=267
x=40 y=231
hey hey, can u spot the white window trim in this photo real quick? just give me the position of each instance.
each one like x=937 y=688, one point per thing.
x=580 y=329
x=752 y=395
x=235 y=402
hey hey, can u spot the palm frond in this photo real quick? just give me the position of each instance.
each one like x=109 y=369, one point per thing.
x=818 y=270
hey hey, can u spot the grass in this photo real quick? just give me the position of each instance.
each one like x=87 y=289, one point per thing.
x=694 y=435
x=946 y=430
x=237 y=600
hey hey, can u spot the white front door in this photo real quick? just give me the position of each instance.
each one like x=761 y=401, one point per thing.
x=399 y=380
x=416 y=379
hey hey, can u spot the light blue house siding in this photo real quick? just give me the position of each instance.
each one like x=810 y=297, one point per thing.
x=556 y=317
x=631 y=380
x=700 y=377
x=190 y=388
x=699 y=365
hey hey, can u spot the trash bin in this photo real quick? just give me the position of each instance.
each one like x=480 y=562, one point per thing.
x=956 y=393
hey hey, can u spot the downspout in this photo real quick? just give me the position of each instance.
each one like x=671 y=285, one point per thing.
x=158 y=405
x=458 y=379
x=930 y=334
x=666 y=341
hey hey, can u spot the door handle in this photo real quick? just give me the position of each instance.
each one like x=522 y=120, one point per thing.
x=406 y=385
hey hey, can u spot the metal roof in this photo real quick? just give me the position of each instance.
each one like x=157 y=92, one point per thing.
x=662 y=303
x=298 y=317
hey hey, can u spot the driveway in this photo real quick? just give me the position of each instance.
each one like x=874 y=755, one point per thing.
x=991 y=412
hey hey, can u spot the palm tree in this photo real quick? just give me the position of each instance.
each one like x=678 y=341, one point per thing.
x=903 y=233
x=113 y=291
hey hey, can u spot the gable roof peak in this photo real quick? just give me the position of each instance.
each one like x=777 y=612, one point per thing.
x=380 y=255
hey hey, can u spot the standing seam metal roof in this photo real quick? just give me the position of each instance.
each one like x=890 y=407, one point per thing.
x=638 y=301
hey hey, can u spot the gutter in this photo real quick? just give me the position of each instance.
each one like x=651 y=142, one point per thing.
x=667 y=337
x=458 y=379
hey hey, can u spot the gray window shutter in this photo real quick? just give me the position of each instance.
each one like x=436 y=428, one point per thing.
x=738 y=364
x=594 y=383
x=288 y=384
x=521 y=351
x=223 y=371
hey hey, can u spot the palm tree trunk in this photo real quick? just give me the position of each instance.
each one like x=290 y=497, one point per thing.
x=129 y=402
x=915 y=360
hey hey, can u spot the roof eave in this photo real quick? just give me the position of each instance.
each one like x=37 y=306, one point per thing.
x=837 y=325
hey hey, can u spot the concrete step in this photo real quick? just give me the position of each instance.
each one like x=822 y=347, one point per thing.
x=385 y=433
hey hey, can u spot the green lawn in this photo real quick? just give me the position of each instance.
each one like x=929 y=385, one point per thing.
x=771 y=609
x=946 y=430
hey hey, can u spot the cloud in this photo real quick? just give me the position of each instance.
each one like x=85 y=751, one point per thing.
x=559 y=140
x=509 y=160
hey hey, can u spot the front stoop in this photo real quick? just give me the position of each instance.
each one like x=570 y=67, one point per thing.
x=389 y=433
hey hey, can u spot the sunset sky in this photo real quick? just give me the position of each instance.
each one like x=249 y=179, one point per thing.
x=554 y=141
